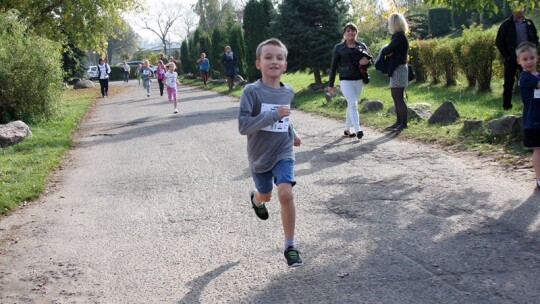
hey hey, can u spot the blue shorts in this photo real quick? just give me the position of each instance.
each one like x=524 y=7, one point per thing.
x=282 y=172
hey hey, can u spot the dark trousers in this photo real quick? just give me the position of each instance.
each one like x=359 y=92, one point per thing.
x=126 y=76
x=104 y=84
x=160 y=83
x=204 y=76
x=511 y=69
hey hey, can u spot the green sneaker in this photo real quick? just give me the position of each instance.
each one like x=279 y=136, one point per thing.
x=293 y=257
x=260 y=211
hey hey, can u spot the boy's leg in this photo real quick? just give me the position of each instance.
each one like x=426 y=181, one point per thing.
x=536 y=165
x=288 y=211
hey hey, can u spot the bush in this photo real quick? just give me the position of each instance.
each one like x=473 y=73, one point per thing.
x=419 y=25
x=426 y=50
x=446 y=60
x=440 y=21
x=479 y=53
x=31 y=73
x=117 y=73
x=416 y=63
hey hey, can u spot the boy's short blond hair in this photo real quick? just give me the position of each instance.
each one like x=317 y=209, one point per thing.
x=526 y=46
x=271 y=41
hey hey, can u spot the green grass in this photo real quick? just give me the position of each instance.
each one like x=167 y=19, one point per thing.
x=24 y=167
x=470 y=105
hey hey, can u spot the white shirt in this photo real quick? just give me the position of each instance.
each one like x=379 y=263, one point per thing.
x=104 y=71
x=170 y=79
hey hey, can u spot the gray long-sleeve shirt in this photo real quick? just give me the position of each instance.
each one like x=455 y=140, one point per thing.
x=269 y=139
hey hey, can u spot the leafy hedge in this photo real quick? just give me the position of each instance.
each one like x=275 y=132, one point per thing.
x=31 y=73
x=473 y=54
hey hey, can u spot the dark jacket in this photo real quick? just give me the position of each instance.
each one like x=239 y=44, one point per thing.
x=398 y=47
x=229 y=62
x=506 y=40
x=347 y=60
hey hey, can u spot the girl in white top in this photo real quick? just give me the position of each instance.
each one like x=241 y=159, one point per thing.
x=171 y=80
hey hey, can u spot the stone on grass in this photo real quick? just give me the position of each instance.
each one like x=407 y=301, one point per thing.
x=502 y=126
x=472 y=124
x=445 y=114
x=372 y=106
x=84 y=84
x=13 y=133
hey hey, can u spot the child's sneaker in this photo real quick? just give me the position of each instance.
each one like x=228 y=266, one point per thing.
x=293 y=257
x=260 y=211
x=175 y=111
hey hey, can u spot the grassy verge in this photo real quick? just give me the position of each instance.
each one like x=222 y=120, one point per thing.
x=24 y=167
x=470 y=104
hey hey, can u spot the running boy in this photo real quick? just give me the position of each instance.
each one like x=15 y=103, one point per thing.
x=171 y=80
x=264 y=118
x=529 y=88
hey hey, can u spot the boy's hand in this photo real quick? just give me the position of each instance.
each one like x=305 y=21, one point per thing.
x=297 y=141
x=364 y=61
x=284 y=111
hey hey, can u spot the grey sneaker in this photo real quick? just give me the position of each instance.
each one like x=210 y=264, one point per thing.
x=260 y=211
x=293 y=257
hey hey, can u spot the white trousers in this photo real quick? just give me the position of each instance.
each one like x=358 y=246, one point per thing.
x=352 y=89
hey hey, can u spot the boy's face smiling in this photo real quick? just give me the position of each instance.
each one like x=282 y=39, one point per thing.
x=272 y=62
x=528 y=61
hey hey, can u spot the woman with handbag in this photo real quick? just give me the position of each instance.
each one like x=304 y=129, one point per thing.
x=397 y=70
x=352 y=58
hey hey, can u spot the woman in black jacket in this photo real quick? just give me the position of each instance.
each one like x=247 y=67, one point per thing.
x=398 y=72
x=353 y=59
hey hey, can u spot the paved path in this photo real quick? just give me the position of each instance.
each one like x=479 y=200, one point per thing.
x=151 y=207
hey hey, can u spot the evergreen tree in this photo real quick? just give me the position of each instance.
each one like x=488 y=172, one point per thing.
x=310 y=29
x=184 y=57
x=258 y=15
x=237 y=44
x=219 y=41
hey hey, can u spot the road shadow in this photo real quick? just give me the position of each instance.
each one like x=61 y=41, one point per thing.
x=459 y=246
x=198 y=284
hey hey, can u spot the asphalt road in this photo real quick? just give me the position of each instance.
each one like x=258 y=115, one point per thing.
x=152 y=207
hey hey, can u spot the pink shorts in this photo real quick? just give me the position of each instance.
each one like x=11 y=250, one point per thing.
x=172 y=93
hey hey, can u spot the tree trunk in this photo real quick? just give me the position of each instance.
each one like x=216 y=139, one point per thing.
x=317 y=75
x=164 y=46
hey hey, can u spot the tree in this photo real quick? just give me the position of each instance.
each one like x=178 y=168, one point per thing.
x=258 y=15
x=185 y=57
x=87 y=23
x=161 y=20
x=209 y=14
x=484 y=5
x=123 y=41
x=310 y=29
x=219 y=41
x=371 y=24
x=237 y=44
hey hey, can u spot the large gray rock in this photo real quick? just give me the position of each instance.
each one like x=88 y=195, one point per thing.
x=445 y=114
x=84 y=84
x=504 y=125
x=13 y=133
x=413 y=113
x=372 y=106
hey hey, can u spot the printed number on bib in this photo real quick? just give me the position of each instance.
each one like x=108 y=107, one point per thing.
x=536 y=93
x=280 y=125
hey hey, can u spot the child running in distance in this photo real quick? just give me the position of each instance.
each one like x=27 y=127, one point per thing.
x=146 y=73
x=171 y=80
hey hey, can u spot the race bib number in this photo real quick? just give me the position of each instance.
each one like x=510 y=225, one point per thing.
x=171 y=81
x=280 y=125
x=146 y=72
x=536 y=93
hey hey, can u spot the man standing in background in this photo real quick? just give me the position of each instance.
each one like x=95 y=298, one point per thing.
x=513 y=31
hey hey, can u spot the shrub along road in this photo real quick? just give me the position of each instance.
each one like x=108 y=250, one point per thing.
x=152 y=207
